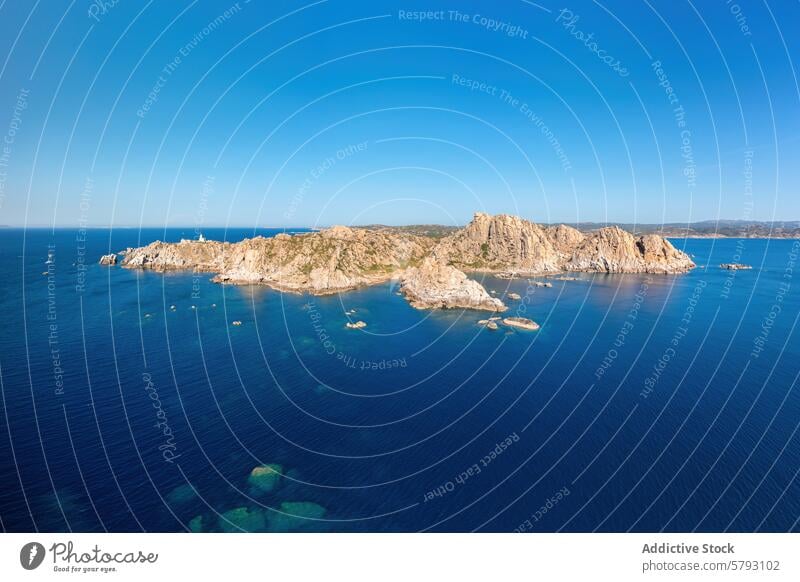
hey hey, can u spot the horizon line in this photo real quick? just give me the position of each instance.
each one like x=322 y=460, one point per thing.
x=362 y=225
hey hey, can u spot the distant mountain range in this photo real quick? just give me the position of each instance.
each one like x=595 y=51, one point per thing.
x=711 y=229
x=701 y=229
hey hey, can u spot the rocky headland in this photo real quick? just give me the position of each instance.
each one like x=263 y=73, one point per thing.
x=432 y=270
x=512 y=245
x=329 y=261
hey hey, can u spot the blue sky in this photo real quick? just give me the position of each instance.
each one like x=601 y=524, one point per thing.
x=315 y=113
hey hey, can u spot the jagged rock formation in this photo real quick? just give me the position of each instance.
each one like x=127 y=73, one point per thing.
x=506 y=243
x=613 y=250
x=329 y=261
x=431 y=270
x=108 y=259
x=186 y=255
x=436 y=285
x=513 y=245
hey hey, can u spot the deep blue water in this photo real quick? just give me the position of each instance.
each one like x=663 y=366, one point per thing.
x=642 y=404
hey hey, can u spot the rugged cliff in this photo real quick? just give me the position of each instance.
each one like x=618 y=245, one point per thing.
x=509 y=243
x=505 y=242
x=436 y=285
x=613 y=250
x=335 y=259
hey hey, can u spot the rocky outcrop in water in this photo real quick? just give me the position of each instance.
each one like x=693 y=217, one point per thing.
x=431 y=270
x=513 y=245
x=613 y=250
x=436 y=285
x=507 y=243
x=735 y=267
x=108 y=259
x=329 y=261
x=521 y=323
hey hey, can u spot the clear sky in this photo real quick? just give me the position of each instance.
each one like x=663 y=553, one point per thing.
x=297 y=114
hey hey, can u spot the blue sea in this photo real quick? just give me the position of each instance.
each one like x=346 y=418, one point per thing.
x=644 y=403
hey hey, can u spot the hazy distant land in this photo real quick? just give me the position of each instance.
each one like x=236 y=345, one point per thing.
x=701 y=229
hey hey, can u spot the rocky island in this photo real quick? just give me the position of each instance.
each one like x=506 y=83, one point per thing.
x=735 y=267
x=521 y=322
x=431 y=270
x=435 y=284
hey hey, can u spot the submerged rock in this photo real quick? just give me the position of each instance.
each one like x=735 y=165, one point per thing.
x=196 y=524
x=295 y=515
x=521 y=322
x=243 y=519
x=265 y=478
x=181 y=494
x=514 y=296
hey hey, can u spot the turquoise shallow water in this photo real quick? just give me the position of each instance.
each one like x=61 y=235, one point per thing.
x=643 y=403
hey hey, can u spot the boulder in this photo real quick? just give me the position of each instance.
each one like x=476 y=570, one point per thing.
x=436 y=285
x=735 y=266
x=521 y=323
